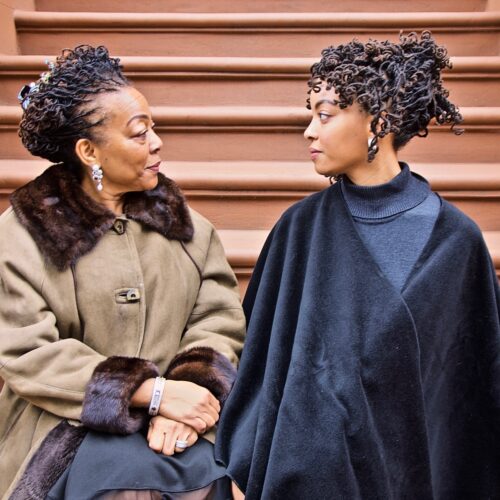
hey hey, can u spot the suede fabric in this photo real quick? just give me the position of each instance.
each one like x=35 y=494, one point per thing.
x=351 y=389
x=148 y=285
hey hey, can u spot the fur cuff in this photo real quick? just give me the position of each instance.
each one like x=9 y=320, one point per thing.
x=106 y=406
x=206 y=367
x=48 y=463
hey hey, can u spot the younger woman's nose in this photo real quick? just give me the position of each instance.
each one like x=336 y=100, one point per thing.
x=310 y=131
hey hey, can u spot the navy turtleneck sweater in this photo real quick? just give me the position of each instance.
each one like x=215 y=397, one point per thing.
x=395 y=220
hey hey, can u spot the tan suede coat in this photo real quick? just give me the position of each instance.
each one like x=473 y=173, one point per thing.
x=135 y=293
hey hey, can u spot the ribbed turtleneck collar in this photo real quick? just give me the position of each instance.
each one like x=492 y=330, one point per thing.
x=403 y=192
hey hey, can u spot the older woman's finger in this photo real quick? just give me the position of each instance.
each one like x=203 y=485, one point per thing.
x=198 y=424
x=150 y=430
x=209 y=420
x=210 y=411
x=185 y=440
x=156 y=440
x=169 y=442
x=214 y=402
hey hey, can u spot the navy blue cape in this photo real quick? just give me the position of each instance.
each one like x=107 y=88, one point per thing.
x=351 y=389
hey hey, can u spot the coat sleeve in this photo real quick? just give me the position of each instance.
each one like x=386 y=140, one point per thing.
x=38 y=365
x=214 y=334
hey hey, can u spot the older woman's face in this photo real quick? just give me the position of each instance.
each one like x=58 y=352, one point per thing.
x=338 y=137
x=128 y=147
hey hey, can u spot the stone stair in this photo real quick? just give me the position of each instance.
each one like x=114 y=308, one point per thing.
x=227 y=85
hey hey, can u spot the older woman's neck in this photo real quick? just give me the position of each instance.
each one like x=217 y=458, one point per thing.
x=111 y=201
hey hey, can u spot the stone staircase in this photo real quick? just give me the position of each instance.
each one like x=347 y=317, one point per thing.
x=227 y=85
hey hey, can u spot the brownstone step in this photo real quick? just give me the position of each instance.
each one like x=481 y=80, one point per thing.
x=248 y=34
x=255 y=133
x=243 y=248
x=195 y=81
x=253 y=195
x=262 y=6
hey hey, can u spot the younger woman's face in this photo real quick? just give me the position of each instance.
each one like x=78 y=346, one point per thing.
x=338 y=137
x=127 y=148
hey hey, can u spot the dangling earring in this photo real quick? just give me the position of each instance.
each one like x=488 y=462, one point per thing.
x=97 y=175
x=370 y=139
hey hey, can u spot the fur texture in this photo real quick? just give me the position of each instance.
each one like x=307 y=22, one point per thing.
x=49 y=462
x=206 y=367
x=106 y=405
x=66 y=223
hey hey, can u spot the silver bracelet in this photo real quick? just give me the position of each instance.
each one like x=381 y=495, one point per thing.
x=154 y=406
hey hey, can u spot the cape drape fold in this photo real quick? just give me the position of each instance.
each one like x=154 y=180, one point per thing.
x=349 y=388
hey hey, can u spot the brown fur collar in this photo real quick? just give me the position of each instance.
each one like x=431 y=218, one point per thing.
x=66 y=223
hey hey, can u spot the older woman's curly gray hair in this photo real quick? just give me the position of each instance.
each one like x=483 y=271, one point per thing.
x=60 y=112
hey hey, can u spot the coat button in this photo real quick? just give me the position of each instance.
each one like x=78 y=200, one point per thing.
x=133 y=295
x=119 y=226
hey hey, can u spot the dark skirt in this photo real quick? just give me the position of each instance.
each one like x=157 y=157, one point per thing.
x=105 y=463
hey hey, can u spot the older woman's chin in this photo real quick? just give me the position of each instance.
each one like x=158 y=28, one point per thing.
x=148 y=182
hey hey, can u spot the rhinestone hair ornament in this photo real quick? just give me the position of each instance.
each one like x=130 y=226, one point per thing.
x=28 y=90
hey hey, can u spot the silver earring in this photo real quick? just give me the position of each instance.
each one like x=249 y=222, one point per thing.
x=370 y=139
x=97 y=175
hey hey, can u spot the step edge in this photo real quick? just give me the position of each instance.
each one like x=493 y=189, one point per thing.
x=473 y=21
x=465 y=65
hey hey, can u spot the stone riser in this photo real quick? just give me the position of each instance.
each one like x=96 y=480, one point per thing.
x=201 y=89
x=261 y=6
x=215 y=144
x=243 y=43
x=277 y=34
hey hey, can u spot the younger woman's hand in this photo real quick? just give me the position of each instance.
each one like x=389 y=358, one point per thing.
x=190 y=404
x=163 y=433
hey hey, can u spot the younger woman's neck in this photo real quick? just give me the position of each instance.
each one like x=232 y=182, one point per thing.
x=382 y=169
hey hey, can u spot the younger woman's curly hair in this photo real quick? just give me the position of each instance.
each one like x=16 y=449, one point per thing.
x=59 y=111
x=399 y=84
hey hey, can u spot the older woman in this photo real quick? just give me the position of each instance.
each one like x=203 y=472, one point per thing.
x=108 y=281
x=372 y=363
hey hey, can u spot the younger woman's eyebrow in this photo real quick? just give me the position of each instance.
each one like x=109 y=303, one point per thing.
x=323 y=101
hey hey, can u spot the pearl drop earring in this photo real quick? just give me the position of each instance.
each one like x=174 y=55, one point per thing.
x=97 y=175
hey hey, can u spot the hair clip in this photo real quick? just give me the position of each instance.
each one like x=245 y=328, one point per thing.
x=24 y=94
x=33 y=87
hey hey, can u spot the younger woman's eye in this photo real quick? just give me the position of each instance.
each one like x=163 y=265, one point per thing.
x=323 y=116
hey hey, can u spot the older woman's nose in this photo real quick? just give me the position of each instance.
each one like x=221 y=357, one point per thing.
x=156 y=143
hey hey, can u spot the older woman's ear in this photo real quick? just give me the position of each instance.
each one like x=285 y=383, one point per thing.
x=86 y=152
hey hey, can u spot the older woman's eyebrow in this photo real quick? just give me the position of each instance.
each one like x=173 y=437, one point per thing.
x=323 y=101
x=136 y=117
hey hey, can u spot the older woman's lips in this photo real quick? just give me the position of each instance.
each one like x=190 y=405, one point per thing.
x=154 y=168
x=314 y=153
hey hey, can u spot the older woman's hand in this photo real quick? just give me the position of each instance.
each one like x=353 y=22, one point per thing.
x=190 y=404
x=163 y=434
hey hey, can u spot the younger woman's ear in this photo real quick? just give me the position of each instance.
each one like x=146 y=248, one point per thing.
x=86 y=152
